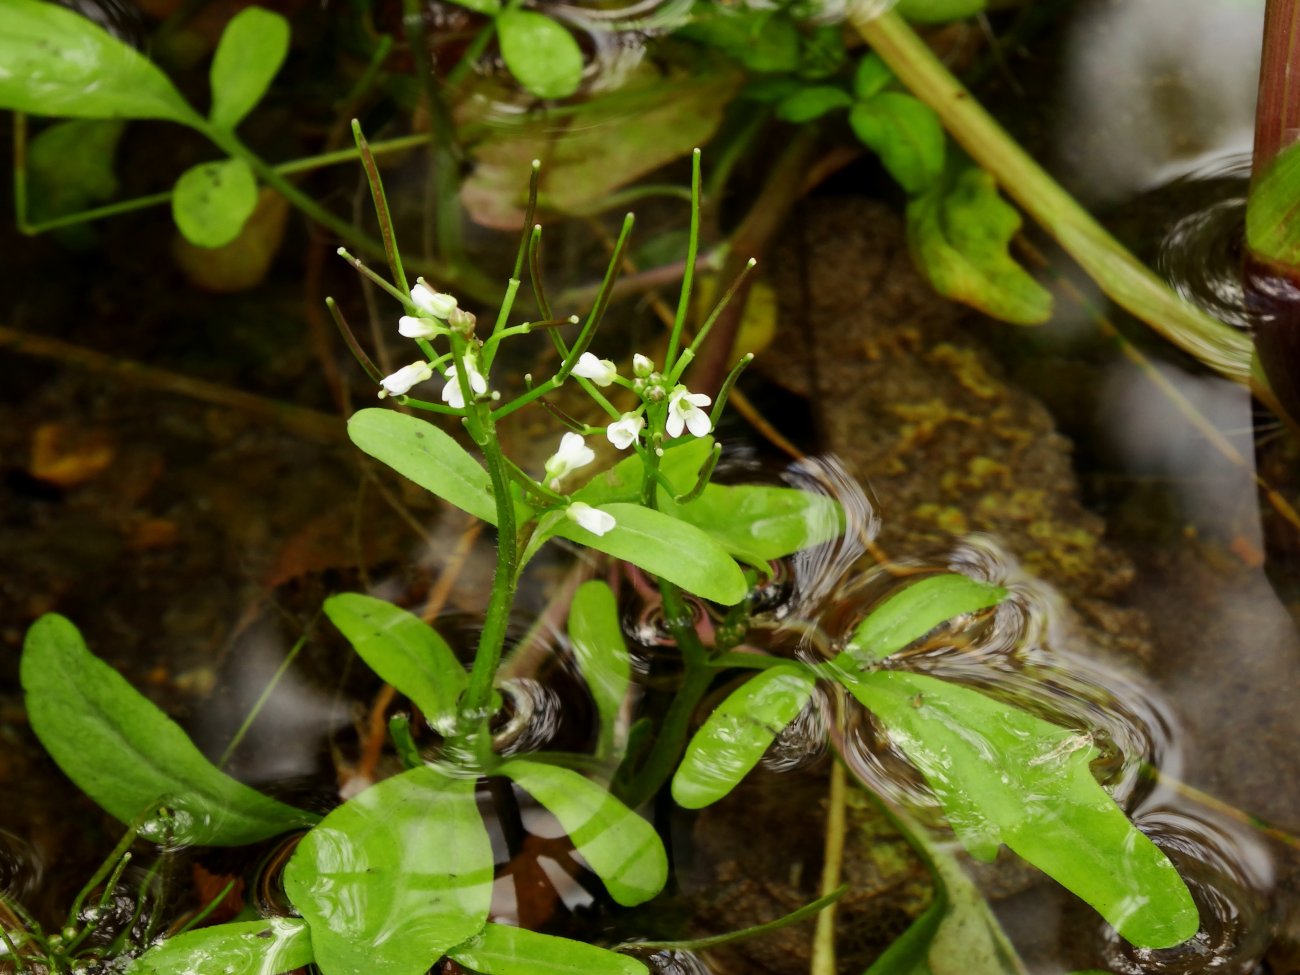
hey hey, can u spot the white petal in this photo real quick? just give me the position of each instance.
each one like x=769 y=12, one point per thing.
x=432 y=302
x=476 y=381
x=416 y=328
x=675 y=424
x=623 y=432
x=593 y=519
x=599 y=371
x=399 y=382
x=697 y=421
x=451 y=394
x=642 y=365
x=696 y=399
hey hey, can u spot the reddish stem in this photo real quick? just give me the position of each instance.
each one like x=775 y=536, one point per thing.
x=1277 y=110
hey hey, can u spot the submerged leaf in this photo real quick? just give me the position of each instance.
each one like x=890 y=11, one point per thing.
x=70 y=165
x=252 y=48
x=621 y=847
x=503 y=949
x=422 y=452
x=128 y=756
x=393 y=878
x=960 y=233
x=212 y=201
x=540 y=53
x=1003 y=775
x=596 y=636
x=734 y=737
x=56 y=62
x=905 y=133
x=269 y=947
x=1272 y=215
x=405 y=651
x=915 y=610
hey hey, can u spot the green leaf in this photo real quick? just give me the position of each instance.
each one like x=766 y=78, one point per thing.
x=252 y=48
x=540 y=53
x=871 y=76
x=619 y=846
x=681 y=465
x=393 y=878
x=761 y=40
x=811 y=103
x=597 y=640
x=502 y=949
x=905 y=133
x=960 y=235
x=489 y=7
x=128 y=756
x=212 y=201
x=759 y=522
x=914 y=611
x=420 y=451
x=57 y=62
x=405 y=651
x=270 y=947
x=938 y=11
x=1273 y=210
x=734 y=737
x=663 y=546
x=70 y=165
x=1003 y=775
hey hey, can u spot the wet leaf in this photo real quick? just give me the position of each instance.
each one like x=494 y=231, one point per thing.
x=1272 y=216
x=418 y=450
x=252 y=48
x=681 y=465
x=938 y=11
x=871 y=76
x=57 y=62
x=244 y=262
x=914 y=611
x=619 y=846
x=393 y=878
x=905 y=133
x=759 y=522
x=761 y=40
x=405 y=651
x=596 y=636
x=811 y=103
x=70 y=165
x=960 y=233
x=734 y=737
x=663 y=546
x=212 y=201
x=502 y=949
x=489 y=7
x=270 y=947
x=540 y=53
x=128 y=756
x=1003 y=775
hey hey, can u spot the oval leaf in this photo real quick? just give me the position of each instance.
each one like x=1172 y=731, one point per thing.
x=405 y=651
x=738 y=732
x=252 y=48
x=212 y=201
x=56 y=62
x=502 y=949
x=393 y=878
x=871 y=76
x=596 y=636
x=128 y=756
x=540 y=53
x=1272 y=226
x=914 y=611
x=270 y=947
x=807 y=104
x=663 y=546
x=422 y=452
x=905 y=133
x=1003 y=775
x=70 y=165
x=761 y=522
x=621 y=847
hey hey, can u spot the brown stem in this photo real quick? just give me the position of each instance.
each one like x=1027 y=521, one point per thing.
x=1277 y=111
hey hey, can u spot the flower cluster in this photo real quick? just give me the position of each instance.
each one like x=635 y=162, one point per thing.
x=437 y=314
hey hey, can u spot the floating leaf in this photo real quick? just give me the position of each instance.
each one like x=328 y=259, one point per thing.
x=57 y=62
x=244 y=262
x=405 y=651
x=621 y=847
x=1003 y=775
x=938 y=11
x=596 y=636
x=960 y=233
x=760 y=522
x=393 y=878
x=915 y=610
x=420 y=451
x=252 y=48
x=128 y=756
x=70 y=165
x=905 y=133
x=807 y=104
x=1272 y=222
x=540 y=53
x=212 y=201
x=269 y=947
x=503 y=949
x=734 y=737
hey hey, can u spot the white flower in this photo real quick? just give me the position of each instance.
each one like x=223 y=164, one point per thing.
x=431 y=302
x=684 y=411
x=593 y=519
x=451 y=393
x=623 y=432
x=418 y=328
x=399 y=382
x=599 y=371
x=572 y=454
x=642 y=365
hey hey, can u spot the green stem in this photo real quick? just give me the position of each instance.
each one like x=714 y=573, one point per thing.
x=1120 y=275
x=688 y=276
